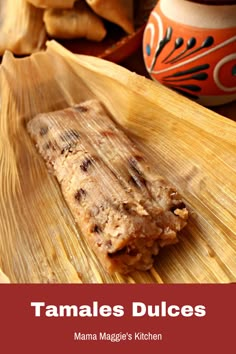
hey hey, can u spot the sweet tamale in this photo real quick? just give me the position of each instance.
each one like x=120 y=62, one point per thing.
x=126 y=211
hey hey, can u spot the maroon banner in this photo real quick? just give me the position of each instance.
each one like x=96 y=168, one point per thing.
x=114 y=318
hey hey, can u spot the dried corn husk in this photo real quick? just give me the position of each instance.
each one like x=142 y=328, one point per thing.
x=78 y=22
x=3 y=278
x=21 y=27
x=192 y=146
x=120 y=12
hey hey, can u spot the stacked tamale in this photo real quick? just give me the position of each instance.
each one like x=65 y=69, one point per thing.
x=26 y=24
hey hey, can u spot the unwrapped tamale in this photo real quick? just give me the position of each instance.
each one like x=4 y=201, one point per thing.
x=123 y=207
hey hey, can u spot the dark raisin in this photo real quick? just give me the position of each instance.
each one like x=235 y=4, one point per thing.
x=181 y=205
x=43 y=130
x=118 y=253
x=85 y=165
x=126 y=207
x=132 y=252
x=66 y=148
x=96 y=229
x=139 y=158
x=80 y=194
x=81 y=109
x=134 y=165
x=138 y=181
x=49 y=145
x=108 y=244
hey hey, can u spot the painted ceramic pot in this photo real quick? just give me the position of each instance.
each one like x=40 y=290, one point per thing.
x=190 y=46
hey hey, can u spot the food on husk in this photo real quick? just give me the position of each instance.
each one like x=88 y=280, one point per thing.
x=40 y=241
x=124 y=208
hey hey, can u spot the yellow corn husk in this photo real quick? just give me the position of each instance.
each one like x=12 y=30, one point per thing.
x=192 y=147
x=22 y=29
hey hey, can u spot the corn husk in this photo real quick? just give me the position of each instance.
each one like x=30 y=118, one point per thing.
x=3 y=278
x=79 y=22
x=21 y=27
x=59 y=4
x=119 y=11
x=191 y=146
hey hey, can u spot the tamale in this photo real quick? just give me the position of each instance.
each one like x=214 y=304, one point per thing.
x=79 y=22
x=116 y=11
x=123 y=207
x=56 y=4
x=21 y=27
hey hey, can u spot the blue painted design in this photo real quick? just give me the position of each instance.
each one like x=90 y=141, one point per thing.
x=186 y=94
x=189 y=71
x=161 y=45
x=201 y=77
x=148 y=49
x=234 y=70
x=208 y=42
x=178 y=43
x=205 y=44
x=193 y=88
x=190 y=44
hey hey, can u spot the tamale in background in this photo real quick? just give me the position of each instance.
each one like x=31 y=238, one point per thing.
x=191 y=146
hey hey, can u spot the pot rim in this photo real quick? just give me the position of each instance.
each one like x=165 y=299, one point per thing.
x=198 y=15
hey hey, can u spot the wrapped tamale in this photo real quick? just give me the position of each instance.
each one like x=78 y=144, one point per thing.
x=116 y=11
x=21 y=27
x=123 y=207
x=56 y=4
x=79 y=22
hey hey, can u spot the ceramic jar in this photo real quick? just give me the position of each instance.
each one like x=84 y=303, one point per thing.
x=190 y=46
